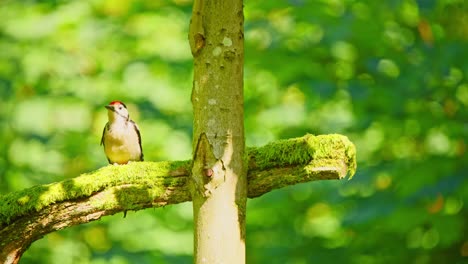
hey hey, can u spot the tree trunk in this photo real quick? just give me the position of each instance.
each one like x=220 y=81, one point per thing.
x=218 y=173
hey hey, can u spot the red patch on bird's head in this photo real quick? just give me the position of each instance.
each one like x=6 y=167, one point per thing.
x=117 y=103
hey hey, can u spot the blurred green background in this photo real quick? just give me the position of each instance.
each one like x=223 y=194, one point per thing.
x=391 y=75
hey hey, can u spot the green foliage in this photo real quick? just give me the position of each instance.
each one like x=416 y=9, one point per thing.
x=391 y=75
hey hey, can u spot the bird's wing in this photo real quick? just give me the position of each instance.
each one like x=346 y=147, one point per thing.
x=103 y=131
x=137 y=130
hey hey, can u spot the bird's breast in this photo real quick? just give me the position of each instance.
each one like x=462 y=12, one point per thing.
x=121 y=144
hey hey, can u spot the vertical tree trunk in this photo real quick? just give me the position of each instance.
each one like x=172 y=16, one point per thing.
x=219 y=173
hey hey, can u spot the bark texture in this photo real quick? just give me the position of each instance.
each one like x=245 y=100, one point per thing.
x=219 y=189
x=28 y=215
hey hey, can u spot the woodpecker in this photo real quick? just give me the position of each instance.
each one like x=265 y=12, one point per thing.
x=121 y=136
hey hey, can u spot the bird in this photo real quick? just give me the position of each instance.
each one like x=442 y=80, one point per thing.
x=121 y=136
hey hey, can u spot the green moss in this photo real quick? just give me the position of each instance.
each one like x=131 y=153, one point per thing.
x=305 y=150
x=146 y=180
x=334 y=147
x=144 y=174
x=281 y=153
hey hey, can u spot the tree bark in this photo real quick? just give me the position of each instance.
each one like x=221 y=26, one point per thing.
x=219 y=188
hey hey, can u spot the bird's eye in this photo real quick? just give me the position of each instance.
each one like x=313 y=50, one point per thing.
x=120 y=107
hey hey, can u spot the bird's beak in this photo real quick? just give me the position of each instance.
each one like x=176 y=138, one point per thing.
x=110 y=107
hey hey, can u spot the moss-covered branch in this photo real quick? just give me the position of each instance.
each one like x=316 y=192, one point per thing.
x=28 y=215
x=309 y=158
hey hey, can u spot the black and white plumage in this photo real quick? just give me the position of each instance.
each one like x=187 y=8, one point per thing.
x=121 y=137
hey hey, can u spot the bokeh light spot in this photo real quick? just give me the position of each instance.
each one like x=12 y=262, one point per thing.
x=462 y=94
x=320 y=221
x=453 y=205
x=437 y=142
x=410 y=13
x=430 y=239
x=388 y=68
x=383 y=181
x=344 y=51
